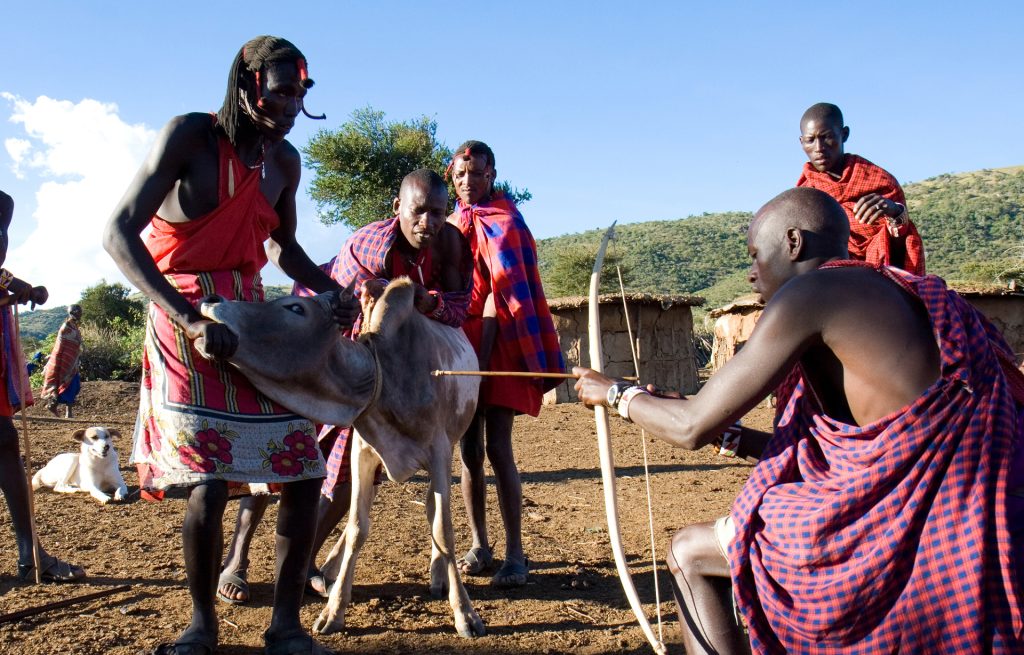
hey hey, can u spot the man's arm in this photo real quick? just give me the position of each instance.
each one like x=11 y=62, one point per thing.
x=284 y=250
x=455 y=278
x=787 y=327
x=286 y=253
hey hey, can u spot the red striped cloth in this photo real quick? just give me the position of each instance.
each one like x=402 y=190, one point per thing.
x=62 y=365
x=894 y=536
x=871 y=243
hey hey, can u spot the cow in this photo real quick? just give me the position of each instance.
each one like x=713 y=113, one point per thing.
x=404 y=418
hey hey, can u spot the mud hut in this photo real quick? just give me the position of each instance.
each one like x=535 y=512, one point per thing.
x=733 y=325
x=1002 y=305
x=662 y=329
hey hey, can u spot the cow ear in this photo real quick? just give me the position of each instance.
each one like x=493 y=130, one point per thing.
x=349 y=291
x=79 y=435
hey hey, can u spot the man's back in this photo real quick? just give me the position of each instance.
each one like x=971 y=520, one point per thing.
x=876 y=350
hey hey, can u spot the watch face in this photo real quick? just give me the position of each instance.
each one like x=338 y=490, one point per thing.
x=613 y=395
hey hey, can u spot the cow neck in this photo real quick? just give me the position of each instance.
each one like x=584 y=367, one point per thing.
x=378 y=375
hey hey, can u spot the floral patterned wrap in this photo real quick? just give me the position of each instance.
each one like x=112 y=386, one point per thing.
x=201 y=420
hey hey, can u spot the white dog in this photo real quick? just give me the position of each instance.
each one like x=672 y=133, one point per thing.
x=93 y=469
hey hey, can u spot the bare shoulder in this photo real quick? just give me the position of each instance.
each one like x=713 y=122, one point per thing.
x=185 y=135
x=450 y=240
x=6 y=206
x=287 y=156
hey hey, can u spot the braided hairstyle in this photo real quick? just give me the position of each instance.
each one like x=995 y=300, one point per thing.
x=245 y=77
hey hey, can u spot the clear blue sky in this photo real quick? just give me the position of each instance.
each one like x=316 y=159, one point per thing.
x=604 y=110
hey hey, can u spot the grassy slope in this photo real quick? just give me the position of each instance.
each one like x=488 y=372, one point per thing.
x=972 y=225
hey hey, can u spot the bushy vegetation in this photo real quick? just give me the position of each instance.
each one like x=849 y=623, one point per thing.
x=358 y=168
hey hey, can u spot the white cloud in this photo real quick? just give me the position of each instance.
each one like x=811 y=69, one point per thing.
x=85 y=156
x=17 y=149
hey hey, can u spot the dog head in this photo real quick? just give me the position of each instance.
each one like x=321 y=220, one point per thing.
x=96 y=441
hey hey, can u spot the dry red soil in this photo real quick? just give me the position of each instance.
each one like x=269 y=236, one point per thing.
x=572 y=604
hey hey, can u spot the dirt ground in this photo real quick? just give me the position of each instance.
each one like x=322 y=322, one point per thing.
x=573 y=603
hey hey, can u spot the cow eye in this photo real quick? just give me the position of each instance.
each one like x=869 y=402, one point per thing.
x=295 y=307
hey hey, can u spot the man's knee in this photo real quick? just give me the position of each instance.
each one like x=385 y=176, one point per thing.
x=691 y=548
x=472 y=449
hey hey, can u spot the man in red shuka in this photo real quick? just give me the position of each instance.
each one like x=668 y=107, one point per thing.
x=214 y=188
x=510 y=326
x=880 y=230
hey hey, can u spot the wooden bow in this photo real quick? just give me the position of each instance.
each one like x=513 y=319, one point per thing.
x=604 y=443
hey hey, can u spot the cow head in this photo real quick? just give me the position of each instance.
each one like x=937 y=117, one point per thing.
x=292 y=350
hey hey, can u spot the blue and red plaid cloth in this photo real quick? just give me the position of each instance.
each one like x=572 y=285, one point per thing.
x=363 y=257
x=894 y=536
x=504 y=242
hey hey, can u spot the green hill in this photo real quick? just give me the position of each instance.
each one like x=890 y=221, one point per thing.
x=41 y=323
x=972 y=225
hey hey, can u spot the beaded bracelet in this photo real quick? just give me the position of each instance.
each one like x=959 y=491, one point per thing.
x=627 y=396
x=6 y=277
x=729 y=440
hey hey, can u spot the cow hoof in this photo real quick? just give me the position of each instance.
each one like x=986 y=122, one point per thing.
x=327 y=625
x=470 y=625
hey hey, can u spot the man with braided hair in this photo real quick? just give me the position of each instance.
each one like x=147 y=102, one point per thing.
x=214 y=188
x=510 y=326
x=886 y=510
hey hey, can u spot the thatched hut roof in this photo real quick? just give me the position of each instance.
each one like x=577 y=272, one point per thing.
x=741 y=304
x=666 y=302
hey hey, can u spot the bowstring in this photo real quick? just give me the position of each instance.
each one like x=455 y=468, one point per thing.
x=633 y=348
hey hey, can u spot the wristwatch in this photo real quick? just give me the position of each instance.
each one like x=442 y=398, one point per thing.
x=615 y=393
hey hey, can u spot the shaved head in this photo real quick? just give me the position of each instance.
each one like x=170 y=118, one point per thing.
x=823 y=112
x=811 y=211
x=426 y=178
x=795 y=233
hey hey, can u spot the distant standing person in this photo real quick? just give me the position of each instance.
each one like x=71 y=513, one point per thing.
x=510 y=326
x=61 y=380
x=881 y=232
x=214 y=188
x=12 y=379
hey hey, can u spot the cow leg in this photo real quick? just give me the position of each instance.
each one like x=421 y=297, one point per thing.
x=364 y=465
x=439 y=514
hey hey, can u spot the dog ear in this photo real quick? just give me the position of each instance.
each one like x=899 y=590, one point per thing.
x=114 y=433
x=79 y=435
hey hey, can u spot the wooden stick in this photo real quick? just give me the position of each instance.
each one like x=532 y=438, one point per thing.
x=516 y=374
x=46 y=607
x=20 y=372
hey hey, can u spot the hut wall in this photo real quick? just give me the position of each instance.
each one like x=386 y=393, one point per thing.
x=1006 y=311
x=665 y=345
x=731 y=331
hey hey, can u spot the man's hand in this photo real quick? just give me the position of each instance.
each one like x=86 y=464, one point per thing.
x=592 y=387
x=212 y=340
x=22 y=292
x=423 y=301
x=872 y=208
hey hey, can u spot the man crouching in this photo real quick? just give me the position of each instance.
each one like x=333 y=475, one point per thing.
x=885 y=511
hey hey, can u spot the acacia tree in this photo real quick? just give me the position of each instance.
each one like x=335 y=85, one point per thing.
x=359 y=167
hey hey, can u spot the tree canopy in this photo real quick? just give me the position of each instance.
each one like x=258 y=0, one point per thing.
x=359 y=167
